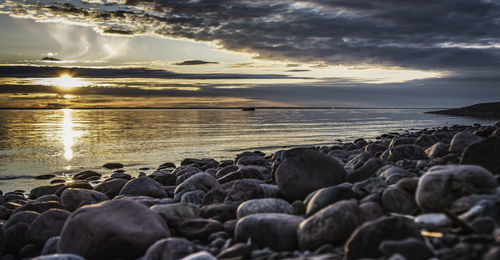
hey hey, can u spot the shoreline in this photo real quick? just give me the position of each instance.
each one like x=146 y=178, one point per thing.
x=439 y=186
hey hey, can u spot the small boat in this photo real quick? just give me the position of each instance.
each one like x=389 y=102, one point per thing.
x=248 y=109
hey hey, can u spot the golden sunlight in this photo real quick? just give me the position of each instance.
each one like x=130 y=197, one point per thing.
x=67 y=81
x=67 y=134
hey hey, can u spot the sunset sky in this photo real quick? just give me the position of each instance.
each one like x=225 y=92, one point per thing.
x=208 y=53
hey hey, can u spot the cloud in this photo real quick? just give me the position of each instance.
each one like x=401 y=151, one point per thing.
x=194 y=62
x=297 y=70
x=45 y=71
x=438 y=35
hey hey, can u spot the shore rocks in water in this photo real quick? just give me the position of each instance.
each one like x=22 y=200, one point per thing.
x=113 y=229
x=441 y=185
x=386 y=198
x=274 y=230
x=300 y=175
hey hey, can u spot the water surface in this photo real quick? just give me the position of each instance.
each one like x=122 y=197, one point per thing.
x=34 y=142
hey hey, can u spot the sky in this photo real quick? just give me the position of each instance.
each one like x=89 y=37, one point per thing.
x=221 y=53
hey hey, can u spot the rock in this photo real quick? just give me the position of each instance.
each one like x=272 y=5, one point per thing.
x=143 y=186
x=462 y=140
x=45 y=198
x=270 y=205
x=399 y=201
x=185 y=169
x=198 y=228
x=88 y=231
x=441 y=185
x=233 y=192
x=298 y=176
x=373 y=148
x=364 y=241
x=200 y=162
x=331 y=225
x=59 y=257
x=3 y=240
x=326 y=196
x=226 y=170
x=485 y=131
x=39 y=207
x=425 y=141
x=220 y=212
x=237 y=251
x=411 y=248
x=194 y=197
x=493 y=254
x=274 y=230
x=400 y=141
x=200 y=181
x=200 y=256
x=404 y=151
x=71 y=199
x=371 y=210
x=121 y=175
x=270 y=190
x=368 y=186
x=47 y=225
x=364 y=172
x=85 y=175
x=166 y=179
x=483 y=225
x=29 y=251
x=437 y=150
x=246 y=172
x=50 y=246
x=26 y=217
x=74 y=185
x=172 y=214
x=44 y=176
x=113 y=165
x=394 y=174
x=111 y=187
x=357 y=162
x=15 y=237
x=171 y=248
x=44 y=190
x=484 y=153
x=252 y=160
x=433 y=221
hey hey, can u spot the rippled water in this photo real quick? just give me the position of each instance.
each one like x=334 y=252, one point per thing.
x=34 y=142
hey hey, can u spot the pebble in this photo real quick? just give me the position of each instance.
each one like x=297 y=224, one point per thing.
x=269 y=205
x=143 y=186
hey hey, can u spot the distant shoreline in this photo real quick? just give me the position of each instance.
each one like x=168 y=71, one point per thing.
x=210 y=108
x=482 y=110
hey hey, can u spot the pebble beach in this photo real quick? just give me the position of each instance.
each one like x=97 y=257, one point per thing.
x=423 y=194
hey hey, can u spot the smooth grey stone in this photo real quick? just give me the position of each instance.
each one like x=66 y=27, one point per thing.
x=143 y=186
x=404 y=151
x=174 y=213
x=441 y=185
x=171 y=248
x=71 y=199
x=200 y=256
x=50 y=246
x=47 y=225
x=433 y=221
x=461 y=140
x=327 y=196
x=331 y=225
x=269 y=205
x=59 y=257
x=88 y=230
x=274 y=230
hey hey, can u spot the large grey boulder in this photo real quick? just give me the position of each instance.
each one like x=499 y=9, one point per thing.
x=443 y=184
x=112 y=229
x=300 y=175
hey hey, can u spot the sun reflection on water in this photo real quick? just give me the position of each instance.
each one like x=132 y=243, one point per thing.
x=67 y=134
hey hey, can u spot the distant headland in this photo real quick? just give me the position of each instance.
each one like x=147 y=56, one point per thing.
x=482 y=110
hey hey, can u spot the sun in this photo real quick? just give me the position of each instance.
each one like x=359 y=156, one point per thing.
x=67 y=81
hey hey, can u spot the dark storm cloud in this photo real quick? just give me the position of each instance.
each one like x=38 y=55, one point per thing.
x=36 y=71
x=448 y=34
x=194 y=62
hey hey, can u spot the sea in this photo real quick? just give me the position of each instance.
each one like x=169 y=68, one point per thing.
x=67 y=141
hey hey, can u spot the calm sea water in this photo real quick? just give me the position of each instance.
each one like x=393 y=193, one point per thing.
x=64 y=142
